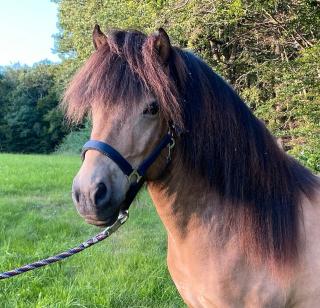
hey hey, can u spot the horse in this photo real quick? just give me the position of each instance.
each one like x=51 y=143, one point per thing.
x=242 y=216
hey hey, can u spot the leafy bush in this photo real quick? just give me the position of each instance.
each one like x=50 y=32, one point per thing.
x=72 y=143
x=30 y=119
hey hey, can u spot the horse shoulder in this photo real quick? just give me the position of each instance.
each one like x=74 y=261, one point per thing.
x=307 y=284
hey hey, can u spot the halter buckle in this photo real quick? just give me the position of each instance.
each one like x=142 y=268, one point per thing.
x=170 y=148
x=134 y=177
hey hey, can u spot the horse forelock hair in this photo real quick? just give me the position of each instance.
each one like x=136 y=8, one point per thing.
x=121 y=73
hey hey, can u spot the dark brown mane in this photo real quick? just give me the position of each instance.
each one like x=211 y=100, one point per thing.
x=260 y=186
x=222 y=142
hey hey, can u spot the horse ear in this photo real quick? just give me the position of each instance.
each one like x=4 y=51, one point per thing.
x=98 y=37
x=163 y=45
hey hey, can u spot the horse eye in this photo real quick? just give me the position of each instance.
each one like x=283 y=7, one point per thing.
x=152 y=109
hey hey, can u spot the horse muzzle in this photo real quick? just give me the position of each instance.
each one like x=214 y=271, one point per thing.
x=95 y=203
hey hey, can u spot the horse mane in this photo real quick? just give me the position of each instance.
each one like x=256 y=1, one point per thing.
x=222 y=142
x=259 y=185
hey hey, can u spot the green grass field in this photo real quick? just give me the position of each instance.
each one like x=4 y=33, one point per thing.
x=38 y=219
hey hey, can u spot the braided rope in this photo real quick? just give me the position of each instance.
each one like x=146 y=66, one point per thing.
x=122 y=218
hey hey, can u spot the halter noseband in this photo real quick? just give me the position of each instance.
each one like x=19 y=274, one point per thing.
x=136 y=177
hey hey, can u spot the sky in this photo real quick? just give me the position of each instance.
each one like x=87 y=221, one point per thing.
x=26 y=29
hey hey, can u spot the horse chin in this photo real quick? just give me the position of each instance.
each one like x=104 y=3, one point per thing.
x=104 y=222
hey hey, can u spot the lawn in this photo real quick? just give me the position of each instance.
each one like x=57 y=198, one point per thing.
x=38 y=219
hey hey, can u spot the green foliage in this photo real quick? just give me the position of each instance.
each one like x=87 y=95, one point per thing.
x=295 y=105
x=30 y=118
x=38 y=219
x=77 y=18
x=268 y=51
x=74 y=141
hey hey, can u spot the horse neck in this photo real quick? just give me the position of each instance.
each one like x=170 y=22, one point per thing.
x=193 y=216
x=183 y=203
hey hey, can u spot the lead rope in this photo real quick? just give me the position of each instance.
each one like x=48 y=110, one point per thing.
x=123 y=215
x=122 y=218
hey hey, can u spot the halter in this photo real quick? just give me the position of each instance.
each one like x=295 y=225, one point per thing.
x=136 y=177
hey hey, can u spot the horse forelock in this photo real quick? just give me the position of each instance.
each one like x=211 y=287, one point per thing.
x=122 y=72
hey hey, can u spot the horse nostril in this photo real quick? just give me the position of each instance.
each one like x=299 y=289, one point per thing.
x=76 y=195
x=100 y=196
x=75 y=192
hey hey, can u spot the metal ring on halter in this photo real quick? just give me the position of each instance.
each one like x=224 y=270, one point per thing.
x=171 y=145
x=134 y=177
x=122 y=218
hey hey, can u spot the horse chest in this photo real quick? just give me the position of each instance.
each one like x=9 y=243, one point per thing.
x=206 y=280
x=207 y=276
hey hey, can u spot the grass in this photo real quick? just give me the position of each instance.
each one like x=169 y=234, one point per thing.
x=38 y=219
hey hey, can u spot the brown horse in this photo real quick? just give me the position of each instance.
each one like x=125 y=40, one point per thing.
x=242 y=217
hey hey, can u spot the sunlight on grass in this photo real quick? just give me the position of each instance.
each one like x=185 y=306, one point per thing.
x=38 y=219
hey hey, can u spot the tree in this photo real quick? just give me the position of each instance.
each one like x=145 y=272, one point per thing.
x=30 y=119
x=268 y=50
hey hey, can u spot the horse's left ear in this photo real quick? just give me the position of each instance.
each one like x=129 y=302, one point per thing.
x=163 y=45
x=98 y=37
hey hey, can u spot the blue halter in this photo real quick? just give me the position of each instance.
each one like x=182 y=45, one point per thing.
x=136 y=177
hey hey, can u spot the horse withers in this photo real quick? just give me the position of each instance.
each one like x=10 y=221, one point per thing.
x=242 y=216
